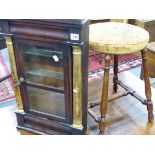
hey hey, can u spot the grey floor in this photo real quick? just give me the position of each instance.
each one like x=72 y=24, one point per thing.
x=136 y=71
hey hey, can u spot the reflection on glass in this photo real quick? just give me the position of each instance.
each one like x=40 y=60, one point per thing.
x=43 y=66
x=46 y=101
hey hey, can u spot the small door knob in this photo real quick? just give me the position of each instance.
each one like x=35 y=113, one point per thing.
x=18 y=82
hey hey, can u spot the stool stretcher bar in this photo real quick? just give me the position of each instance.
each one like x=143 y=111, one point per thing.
x=128 y=91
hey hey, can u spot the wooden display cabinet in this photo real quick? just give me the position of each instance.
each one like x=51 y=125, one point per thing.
x=49 y=63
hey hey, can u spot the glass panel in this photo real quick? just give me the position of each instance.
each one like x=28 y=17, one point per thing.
x=43 y=66
x=46 y=101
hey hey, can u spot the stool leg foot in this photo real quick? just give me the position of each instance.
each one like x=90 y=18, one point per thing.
x=115 y=76
x=147 y=86
x=150 y=111
x=102 y=125
x=104 y=98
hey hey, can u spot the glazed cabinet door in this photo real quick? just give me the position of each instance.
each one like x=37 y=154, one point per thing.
x=45 y=73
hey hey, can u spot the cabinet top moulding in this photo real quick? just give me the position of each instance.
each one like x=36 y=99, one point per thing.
x=65 y=31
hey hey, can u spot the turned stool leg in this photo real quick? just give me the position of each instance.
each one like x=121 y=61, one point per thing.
x=104 y=99
x=115 y=76
x=147 y=85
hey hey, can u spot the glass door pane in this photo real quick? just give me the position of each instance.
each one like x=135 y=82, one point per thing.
x=46 y=101
x=43 y=67
x=44 y=78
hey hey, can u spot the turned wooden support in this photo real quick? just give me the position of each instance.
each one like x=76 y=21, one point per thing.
x=104 y=99
x=147 y=85
x=115 y=76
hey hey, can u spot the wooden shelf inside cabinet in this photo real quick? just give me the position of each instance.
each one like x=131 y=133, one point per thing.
x=46 y=73
x=44 y=53
x=46 y=78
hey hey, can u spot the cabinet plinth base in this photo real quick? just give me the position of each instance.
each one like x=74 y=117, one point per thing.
x=33 y=124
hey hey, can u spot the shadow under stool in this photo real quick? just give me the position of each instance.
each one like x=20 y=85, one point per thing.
x=118 y=39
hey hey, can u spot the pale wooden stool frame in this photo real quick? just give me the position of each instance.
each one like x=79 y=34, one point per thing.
x=101 y=120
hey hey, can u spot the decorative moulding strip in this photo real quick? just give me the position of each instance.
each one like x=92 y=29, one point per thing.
x=27 y=30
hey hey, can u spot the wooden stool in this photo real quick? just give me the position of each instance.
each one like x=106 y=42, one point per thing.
x=114 y=39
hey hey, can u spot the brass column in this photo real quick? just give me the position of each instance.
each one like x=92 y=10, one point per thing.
x=77 y=88
x=9 y=45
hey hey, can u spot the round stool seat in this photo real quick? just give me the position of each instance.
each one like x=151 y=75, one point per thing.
x=117 y=38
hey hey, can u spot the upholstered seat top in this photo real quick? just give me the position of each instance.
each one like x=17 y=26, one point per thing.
x=117 y=38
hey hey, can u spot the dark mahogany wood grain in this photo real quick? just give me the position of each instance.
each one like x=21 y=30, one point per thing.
x=54 y=34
